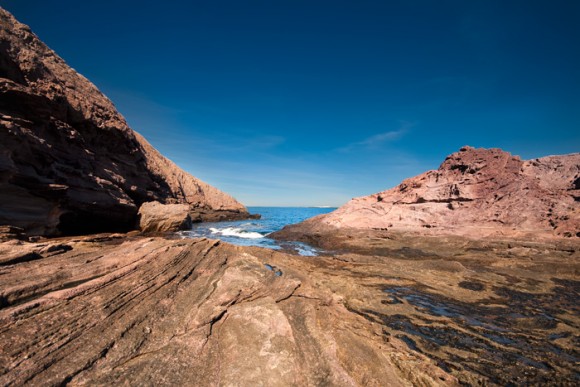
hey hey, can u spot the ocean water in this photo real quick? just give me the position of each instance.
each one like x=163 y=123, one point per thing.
x=254 y=232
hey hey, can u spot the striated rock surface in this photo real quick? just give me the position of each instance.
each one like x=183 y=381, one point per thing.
x=69 y=163
x=114 y=310
x=475 y=193
x=424 y=311
x=157 y=217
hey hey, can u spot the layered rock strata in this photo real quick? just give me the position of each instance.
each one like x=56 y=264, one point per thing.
x=69 y=163
x=474 y=193
x=113 y=309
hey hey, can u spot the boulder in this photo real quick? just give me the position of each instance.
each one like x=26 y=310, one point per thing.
x=157 y=217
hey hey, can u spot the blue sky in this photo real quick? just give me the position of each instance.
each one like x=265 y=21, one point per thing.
x=315 y=102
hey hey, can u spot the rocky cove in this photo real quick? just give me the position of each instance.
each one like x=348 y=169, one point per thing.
x=466 y=275
x=118 y=308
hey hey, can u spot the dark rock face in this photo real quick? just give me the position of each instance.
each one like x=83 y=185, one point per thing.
x=69 y=163
x=474 y=193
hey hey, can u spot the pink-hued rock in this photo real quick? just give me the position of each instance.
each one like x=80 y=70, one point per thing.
x=116 y=310
x=476 y=192
x=157 y=217
x=69 y=163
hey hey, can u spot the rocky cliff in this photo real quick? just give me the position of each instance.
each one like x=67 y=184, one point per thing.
x=475 y=192
x=69 y=163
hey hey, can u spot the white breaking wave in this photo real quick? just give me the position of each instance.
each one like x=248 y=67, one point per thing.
x=237 y=232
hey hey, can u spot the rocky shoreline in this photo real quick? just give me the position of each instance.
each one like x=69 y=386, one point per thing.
x=487 y=311
x=116 y=308
x=467 y=275
x=474 y=193
x=69 y=163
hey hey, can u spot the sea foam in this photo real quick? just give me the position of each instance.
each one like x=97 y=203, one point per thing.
x=236 y=232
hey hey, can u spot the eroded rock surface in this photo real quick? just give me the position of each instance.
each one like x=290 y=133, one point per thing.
x=489 y=311
x=114 y=310
x=475 y=193
x=69 y=163
x=395 y=310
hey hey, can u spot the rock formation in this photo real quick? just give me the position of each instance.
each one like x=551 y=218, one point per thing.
x=122 y=310
x=386 y=308
x=475 y=193
x=157 y=217
x=114 y=310
x=69 y=163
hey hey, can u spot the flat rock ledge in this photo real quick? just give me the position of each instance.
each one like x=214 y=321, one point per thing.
x=112 y=309
x=383 y=309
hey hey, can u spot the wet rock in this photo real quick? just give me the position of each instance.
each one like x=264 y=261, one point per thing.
x=472 y=285
x=277 y=272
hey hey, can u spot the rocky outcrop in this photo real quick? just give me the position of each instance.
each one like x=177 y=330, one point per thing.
x=476 y=193
x=69 y=163
x=157 y=217
x=11 y=232
x=111 y=310
x=119 y=310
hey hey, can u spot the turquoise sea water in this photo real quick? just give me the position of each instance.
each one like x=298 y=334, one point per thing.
x=254 y=232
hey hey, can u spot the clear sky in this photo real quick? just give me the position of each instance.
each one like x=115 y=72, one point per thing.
x=291 y=102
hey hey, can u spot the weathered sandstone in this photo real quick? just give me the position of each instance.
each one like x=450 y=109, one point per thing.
x=389 y=306
x=114 y=309
x=157 y=217
x=69 y=163
x=474 y=193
